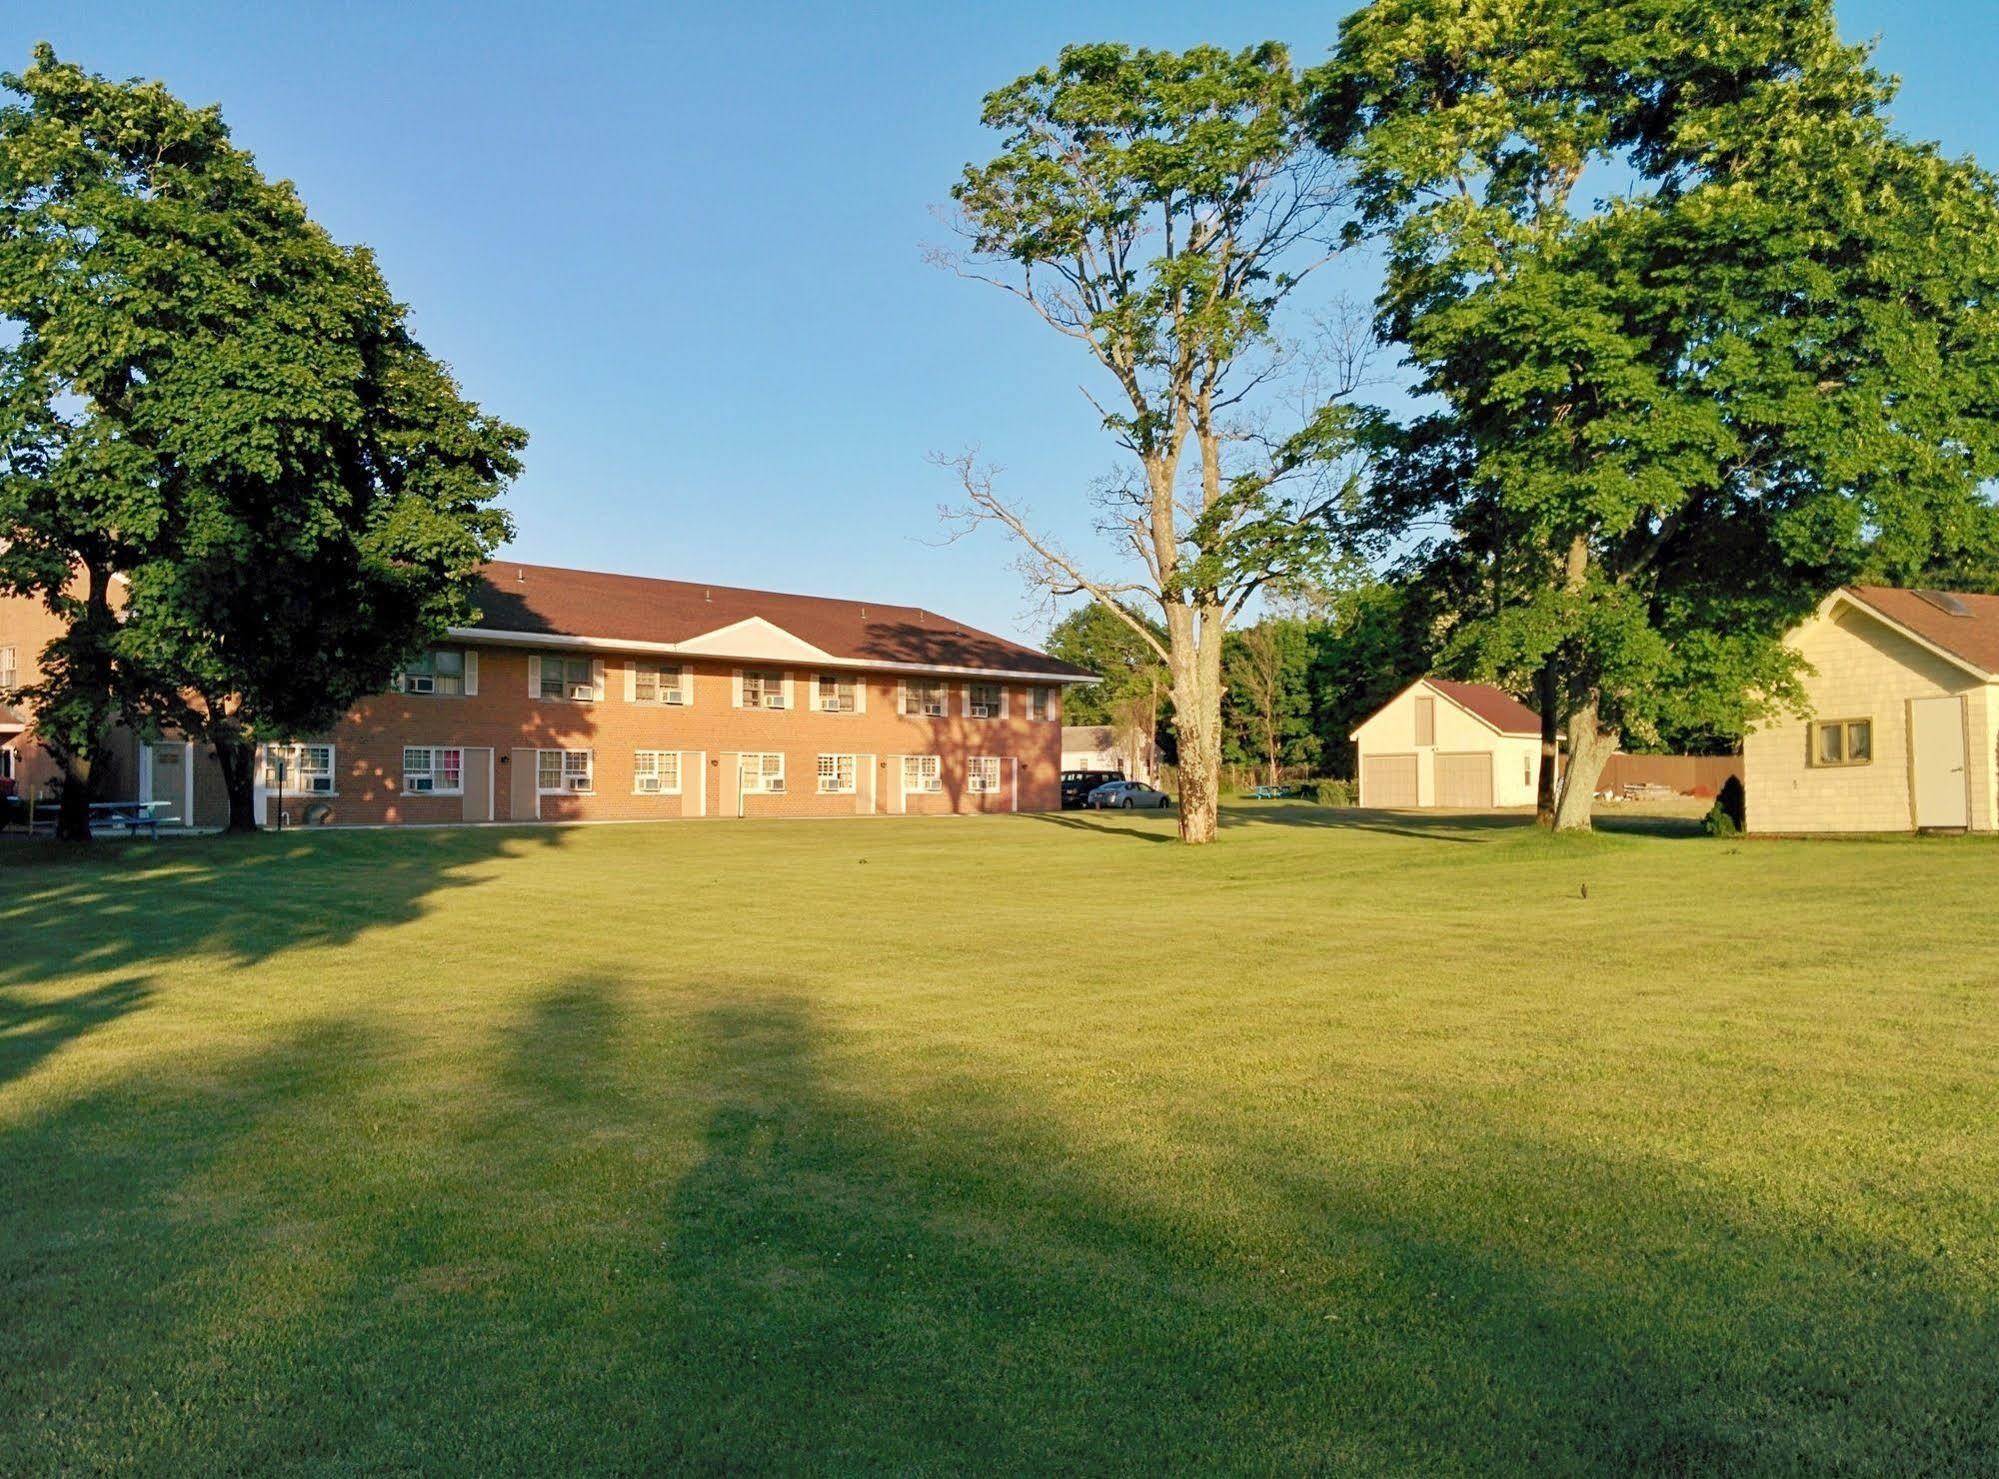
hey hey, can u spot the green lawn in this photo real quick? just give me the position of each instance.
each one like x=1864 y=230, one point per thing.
x=1354 y=1143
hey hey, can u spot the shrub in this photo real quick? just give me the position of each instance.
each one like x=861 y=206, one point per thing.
x=1330 y=792
x=1724 y=819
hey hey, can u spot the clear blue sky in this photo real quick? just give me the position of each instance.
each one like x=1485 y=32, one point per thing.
x=682 y=246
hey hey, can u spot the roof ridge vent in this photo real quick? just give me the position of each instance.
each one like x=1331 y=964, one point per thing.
x=1945 y=602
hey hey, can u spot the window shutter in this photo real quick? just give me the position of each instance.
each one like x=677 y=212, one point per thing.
x=686 y=684
x=736 y=677
x=787 y=691
x=534 y=676
x=471 y=673
x=860 y=698
x=631 y=680
x=902 y=695
x=965 y=690
x=597 y=679
x=1006 y=700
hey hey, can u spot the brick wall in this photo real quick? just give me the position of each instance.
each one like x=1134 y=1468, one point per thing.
x=707 y=734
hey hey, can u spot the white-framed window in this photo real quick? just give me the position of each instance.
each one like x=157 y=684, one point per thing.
x=836 y=775
x=434 y=770
x=566 y=677
x=1040 y=703
x=557 y=771
x=656 y=772
x=656 y=683
x=9 y=673
x=832 y=694
x=923 y=696
x=984 y=775
x=440 y=670
x=300 y=769
x=984 y=700
x=763 y=774
x=922 y=773
x=762 y=689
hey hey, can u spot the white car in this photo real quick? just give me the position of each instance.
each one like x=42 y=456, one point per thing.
x=1124 y=795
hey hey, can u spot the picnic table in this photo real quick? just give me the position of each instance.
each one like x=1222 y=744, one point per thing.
x=131 y=815
x=1272 y=793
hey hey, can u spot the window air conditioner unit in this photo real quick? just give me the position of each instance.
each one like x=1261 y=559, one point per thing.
x=982 y=711
x=775 y=788
x=582 y=690
x=421 y=783
x=319 y=783
x=577 y=782
x=419 y=683
x=649 y=784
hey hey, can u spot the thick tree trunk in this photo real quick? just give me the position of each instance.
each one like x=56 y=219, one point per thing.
x=238 y=759
x=1547 y=691
x=88 y=665
x=1195 y=652
x=73 y=808
x=1590 y=749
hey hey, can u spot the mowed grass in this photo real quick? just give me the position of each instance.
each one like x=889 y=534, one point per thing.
x=1355 y=1143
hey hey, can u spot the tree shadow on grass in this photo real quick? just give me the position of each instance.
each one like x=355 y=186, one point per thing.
x=713 y=1238
x=961 y=1284
x=33 y=1027
x=121 y=907
x=1103 y=825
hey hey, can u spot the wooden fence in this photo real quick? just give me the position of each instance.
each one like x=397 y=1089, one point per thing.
x=1687 y=774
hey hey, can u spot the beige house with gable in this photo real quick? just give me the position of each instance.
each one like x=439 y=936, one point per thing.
x=1903 y=697
x=1449 y=744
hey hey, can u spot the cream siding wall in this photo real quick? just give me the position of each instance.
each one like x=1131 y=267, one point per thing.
x=1391 y=730
x=1862 y=669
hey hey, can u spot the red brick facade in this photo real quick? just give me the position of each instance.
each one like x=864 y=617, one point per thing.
x=707 y=735
x=658 y=677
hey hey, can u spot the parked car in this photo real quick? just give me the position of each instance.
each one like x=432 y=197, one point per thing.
x=1126 y=795
x=1077 y=785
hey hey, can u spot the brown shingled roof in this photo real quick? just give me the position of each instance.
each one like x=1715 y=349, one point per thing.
x=1973 y=637
x=513 y=597
x=1495 y=706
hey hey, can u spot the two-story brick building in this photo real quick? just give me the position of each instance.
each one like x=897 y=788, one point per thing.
x=581 y=696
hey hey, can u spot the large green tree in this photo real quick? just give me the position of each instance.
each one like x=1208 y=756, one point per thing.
x=223 y=458
x=1703 y=335
x=1158 y=209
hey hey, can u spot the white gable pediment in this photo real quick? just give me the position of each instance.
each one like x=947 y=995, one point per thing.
x=755 y=638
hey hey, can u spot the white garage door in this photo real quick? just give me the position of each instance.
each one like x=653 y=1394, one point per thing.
x=1388 y=780
x=1465 y=780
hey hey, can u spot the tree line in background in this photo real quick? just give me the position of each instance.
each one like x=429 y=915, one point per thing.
x=1692 y=337
x=1296 y=682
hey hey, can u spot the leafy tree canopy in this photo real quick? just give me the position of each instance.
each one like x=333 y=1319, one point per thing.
x=1704 y=337
x=212 y=401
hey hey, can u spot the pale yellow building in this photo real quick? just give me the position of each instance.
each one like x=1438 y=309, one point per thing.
x=1444 y=743
x=1903 y=694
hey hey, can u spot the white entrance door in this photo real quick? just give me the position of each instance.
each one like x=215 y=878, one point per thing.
x=1936 y=748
